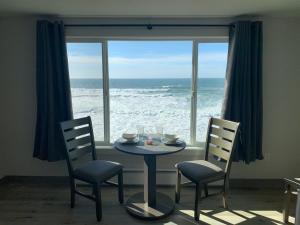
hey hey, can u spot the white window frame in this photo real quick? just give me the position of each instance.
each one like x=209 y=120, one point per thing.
x=105 y=78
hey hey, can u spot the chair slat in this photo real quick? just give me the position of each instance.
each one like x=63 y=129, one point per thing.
x=79 y=152
x=221 y=143
x=76 y=132
x=75 y=123
x=78 y=142
x=222 y=133
x=225 y=124
x=219 y=152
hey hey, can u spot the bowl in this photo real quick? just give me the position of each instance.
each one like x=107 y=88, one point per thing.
x=171 y=137
x=129 y=136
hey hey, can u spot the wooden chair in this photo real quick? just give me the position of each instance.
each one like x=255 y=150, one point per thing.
x=79 y=141
x=220 y=142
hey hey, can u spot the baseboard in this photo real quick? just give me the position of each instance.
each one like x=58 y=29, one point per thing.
x=64 y=180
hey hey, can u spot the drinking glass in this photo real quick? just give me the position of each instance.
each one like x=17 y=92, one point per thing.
x=140 y=132
x=159 y=131
x=149 y=133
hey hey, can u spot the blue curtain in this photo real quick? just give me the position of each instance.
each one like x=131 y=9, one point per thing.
x=52 y=90
x=243 y=88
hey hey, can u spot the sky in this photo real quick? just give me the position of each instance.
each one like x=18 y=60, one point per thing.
x=147 y=59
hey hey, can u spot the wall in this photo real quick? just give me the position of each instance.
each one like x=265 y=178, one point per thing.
x=281 y=107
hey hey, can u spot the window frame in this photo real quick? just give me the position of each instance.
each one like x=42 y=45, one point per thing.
x=105 y=77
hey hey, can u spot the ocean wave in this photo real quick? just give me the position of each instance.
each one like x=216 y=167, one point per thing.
x=148 y=107
x=172 y=86
x=85 y=95
x=88 y=111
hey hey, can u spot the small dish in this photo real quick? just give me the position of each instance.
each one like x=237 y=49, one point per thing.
x=126 y=141
x=170 y=138
x=174 y=143
x=128 y=136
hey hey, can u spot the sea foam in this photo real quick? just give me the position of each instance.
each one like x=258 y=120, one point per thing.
x=167 y=106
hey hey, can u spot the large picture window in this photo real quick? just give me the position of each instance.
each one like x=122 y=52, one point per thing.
x=122 y=84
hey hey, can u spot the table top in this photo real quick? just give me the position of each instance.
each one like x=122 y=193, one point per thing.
x=143 y=149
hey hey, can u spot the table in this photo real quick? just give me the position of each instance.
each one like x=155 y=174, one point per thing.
x=149 y=204
x=291 y=184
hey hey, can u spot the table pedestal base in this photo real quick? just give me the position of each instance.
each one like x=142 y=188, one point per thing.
x=137 y=207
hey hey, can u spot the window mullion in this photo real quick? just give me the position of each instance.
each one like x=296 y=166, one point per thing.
x=194 y=93
x=105 y=92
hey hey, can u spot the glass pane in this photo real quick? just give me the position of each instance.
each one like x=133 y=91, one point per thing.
x=150 y=85
x=212 y=59
x=85 y=67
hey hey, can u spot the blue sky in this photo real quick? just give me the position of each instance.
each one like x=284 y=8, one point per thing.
x=147 y=59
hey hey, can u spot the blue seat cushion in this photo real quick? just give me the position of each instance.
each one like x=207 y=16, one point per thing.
x=97 y=171
x=200 y=171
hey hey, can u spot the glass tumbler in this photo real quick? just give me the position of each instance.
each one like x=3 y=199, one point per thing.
x=140 y=132
x=159 y=131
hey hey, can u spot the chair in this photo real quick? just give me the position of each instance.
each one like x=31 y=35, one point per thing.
x=220 y=142
x=79 y=141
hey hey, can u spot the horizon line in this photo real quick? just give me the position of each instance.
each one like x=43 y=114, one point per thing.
x=169 y=78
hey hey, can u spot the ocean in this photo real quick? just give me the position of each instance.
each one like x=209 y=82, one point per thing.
x=150 y=103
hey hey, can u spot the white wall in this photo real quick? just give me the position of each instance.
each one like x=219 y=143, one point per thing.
x=281 y=106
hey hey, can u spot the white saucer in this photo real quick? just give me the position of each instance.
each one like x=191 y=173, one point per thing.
x=124 y=141
x=177 y=142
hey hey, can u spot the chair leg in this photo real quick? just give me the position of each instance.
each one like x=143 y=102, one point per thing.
x=205 y=190
x=178 y=187
x=97 y=192
x=287 y=200
x=72 y=189
x=225 y=194
x=197 y=199
x=120 y=187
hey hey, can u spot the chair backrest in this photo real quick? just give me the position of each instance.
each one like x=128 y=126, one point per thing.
x=79 y=139
x=221 y=140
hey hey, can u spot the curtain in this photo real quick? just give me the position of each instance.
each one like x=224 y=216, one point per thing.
x=52 y=90
x=243 y=88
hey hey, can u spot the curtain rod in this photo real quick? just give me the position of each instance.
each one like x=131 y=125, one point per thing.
x=148 y=26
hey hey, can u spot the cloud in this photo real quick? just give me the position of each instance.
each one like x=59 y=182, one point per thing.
x=153 y=59
x=212 y=57
x=74 y=59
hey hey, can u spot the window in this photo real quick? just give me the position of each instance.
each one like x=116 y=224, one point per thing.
x=150 y=85
x=125 y=83
x=85 y=68
x=212 y=59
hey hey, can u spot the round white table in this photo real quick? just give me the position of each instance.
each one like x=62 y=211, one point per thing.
x=149 y=204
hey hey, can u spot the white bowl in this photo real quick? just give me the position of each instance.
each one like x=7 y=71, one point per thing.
x=129 y=136
x=171 y=137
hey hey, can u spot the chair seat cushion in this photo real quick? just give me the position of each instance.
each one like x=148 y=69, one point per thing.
x=97 y=171
x=200 y=171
